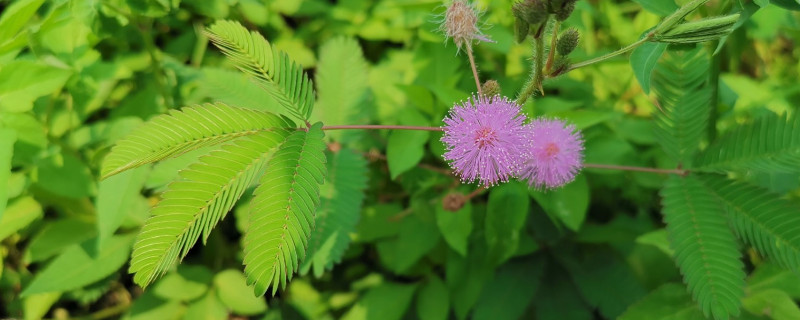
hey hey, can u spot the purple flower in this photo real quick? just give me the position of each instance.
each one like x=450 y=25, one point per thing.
x=485 y=139
x=556 y=153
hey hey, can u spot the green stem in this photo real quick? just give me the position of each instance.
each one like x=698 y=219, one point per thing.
x=474 y=70
x=553 y=42
x=630 y=47
x=537 y=77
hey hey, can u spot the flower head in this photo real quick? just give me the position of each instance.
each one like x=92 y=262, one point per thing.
x=556 y=153
x=461 y=24
x=485 y=139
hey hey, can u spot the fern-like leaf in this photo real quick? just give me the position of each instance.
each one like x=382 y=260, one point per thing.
x=339 y=211
x=679 y=82
x=761 y=218
x=770 y=144
x=200 y=198
x=272 y=69
x=177 y=132
x=282 y=210
x=705 y=248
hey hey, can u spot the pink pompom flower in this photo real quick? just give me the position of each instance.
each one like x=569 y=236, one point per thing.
x=485 y=139
x=556 y=153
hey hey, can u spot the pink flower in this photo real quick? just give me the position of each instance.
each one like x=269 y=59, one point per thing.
x=556 y=153
x=485 y=139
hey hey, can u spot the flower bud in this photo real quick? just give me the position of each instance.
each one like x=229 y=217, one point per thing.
x=454 y=202
x=521 y=30
x=533 y=12
x=699 y=31
x=564 y=10
x=490 y=88
x=461 y=24
x=567 y=42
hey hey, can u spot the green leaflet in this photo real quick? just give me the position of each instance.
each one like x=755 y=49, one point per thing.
x=181 y=131
x=705 y=249
x=200 y=198
x=339 y=211
x=760 y=218
x=272 y=69
x=282 y=210
x=679 y=82
x=770 y=144
x=644 y=59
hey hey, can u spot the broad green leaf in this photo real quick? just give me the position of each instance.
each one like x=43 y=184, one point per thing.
x=115 y=196
x=7 y=139
x=771 y=276
x=58 y=235
x=773 y=303
x=406 y=148
x=81 y=265
x=148 y=306
x=467 y=276
x=22 y=81
x=787 y=4
x=668 y=302
x=433 y=300
x=36 y=306
x=234 y=293
x=658 y=239
x=31 y=137
x=185 y=284
x=376 y=222
x=19 y=214
x=706 y=250
x=505 y=216
x=561 y=301
x=207 y=308
x=455 y=226
x=569 y=203
x=659 y=7
x=15 y=16
x=341 y=80
x=65 y=175
x=387 y=301
x=217 y=9
x=508 y=295
x=417 y=237
x=644 y=59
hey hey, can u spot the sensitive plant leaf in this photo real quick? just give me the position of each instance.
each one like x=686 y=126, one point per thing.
x=181 y=131
x=234 y=293
x=341 y=80
x=644 y=59
x=505 y=217
x=770 y=144
x=339 y=211
x=272 y=69
x=455 y=226
x=81 y=265
x=19 y=214
x=705 y=248
x=282 y=210
x=668 y=302
x=115 y=195
x=679 y=81
x=7 y=139
x=760 y=218
x=200 y=198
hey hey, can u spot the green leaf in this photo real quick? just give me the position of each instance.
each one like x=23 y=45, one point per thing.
x=416 y=238
x=644 y=59
x=236 y=89
x=561 y=301
x=80 y=265
x=23 y=81
x=505 y=217
x=705 y=249
x=191 y=128
x=770 y=144
x=659 y=7
x=341 y=80
x=455 y=226
x=282 y=210
x=58 y=235
x=679 y=81
x=272 y=69
x=148 y=306
x=15 y=16
x=773 y=303
x=404 y=150
x=387 y=301
x=234 y=293
x=375 y=222
x=19 y=214
x=466 y=277
x=433 y=300
x=658 y=239
x=339 y=211
x=114 y=198
x=65 y=175
x=508 y=295
x=760 y=218
x=569 y=203
x=7 y=139
x=185 y=284
x=669 y=302
x=787 y=4
x=207 y=308
x=771 y=276
x=200 y=198
x=36 y=306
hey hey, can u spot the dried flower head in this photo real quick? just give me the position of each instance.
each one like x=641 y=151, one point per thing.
x=461 y=24
x=556 y=154
x=485 y=139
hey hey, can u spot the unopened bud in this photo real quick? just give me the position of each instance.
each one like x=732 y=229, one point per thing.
x=567 y=42
x=564 y=10
x=454 y=202
x=521 y=30
x=533 y=12
x=699 y=31
x=460 y=23
x=490 y=88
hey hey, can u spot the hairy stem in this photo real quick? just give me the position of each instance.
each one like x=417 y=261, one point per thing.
x=379 y=127
x=611 y=55
x=537 y=77
x=474 y=70
x=552 y=54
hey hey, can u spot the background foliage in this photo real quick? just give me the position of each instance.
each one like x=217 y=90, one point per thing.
x=76 y=76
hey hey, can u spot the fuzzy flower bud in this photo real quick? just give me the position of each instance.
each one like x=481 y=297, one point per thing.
x=556 y=154
x=567 y=42
x=562 y=8
x=454 y=202
x=461 y=24
x=533 y=12
x=490 y=88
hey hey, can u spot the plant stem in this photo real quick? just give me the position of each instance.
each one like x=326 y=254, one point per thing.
x=553 y=42
x=681 y=172
x=475 y=193
x=536 y=74
x=474 y=70
x=610 y=55
x=379 y=127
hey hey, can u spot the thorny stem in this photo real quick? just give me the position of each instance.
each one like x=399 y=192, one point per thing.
x=553 y=42
x=474 y=70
